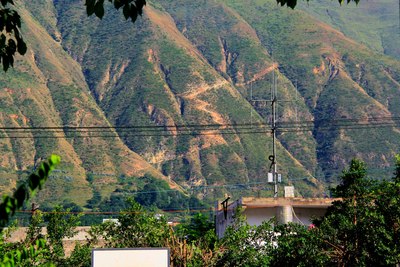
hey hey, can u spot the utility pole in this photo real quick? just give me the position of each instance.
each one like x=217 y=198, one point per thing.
x=273 y=176
x=273 y=169
x=273 y=130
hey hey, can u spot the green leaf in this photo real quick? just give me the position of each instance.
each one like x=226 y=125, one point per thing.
x=99 y=9
x=42 y=173
x=20 y=195
x=9 y=206
x=11 y=46
x=46 y=167
x=133 y=13
x=21 y=47
x=18 y=255
x=90 y=6
x=126 y=11
x=118 y=4
x=54 y=160
x=3 y=40
x=5 y=2
x=6 y=63
x=289 y=3
x=34 y=181
x=139 y=5
x=32 y=250
x=41 y=243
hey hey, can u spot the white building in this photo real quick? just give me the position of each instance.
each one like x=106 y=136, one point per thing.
x=284 y=209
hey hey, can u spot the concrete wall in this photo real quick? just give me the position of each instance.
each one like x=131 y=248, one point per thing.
x=285 y=210
x=257 y=216
x=222 y=220
x=300 y=215
x=304 y=215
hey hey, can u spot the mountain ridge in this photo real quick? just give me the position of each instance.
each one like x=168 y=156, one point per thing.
x=181 y=96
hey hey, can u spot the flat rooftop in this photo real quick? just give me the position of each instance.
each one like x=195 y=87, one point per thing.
x=265 y=202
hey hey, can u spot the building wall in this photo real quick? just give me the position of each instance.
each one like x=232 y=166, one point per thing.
x=223 y=220
x=257 y=216
x=284 y=210
x=305 y=215
x=300 y=215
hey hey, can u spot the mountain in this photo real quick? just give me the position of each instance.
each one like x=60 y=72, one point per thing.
x=374 y=23
x=181 y=96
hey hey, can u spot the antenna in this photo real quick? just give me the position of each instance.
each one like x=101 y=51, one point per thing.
x=273 y=130
x=251 y=98
x=274 y=101
x=273 y=175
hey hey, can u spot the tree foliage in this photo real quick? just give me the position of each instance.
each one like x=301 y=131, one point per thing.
x=130 y=8
x=135 y=228
x=40 y=249
x=293 y=3
x=246 y=245
x=11 y=41
x=156 y=193
x=360 y=229
x=29 y=253
x=198 y=227
x=26 y=190
x=61 y=224
x=298 y=245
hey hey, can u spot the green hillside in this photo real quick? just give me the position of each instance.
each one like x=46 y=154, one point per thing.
x=374 y=23
x=332 y=76
x=47 y=92
x=167 y=80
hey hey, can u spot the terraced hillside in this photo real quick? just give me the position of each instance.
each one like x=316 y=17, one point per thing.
x=180 y=95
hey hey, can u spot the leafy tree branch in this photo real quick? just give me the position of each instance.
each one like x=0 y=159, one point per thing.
x=26 y=190
x=293 y=3
x=31 y=253
x=11 y=41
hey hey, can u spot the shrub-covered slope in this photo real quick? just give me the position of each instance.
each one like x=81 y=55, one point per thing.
x=44 y=95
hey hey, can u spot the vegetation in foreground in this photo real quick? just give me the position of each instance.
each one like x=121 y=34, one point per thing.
x=362 y=229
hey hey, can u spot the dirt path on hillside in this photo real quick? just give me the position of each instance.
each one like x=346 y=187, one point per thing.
x=260 y=74
x=391 y=77
x=209 y=137
x=204 y=106
x=203 y=88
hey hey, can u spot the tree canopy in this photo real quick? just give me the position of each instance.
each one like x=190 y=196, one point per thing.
x=360 y=229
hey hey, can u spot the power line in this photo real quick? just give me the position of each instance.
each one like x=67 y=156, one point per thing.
x=178 y=210
x=217 y=132
x=202 y=126
x=196 y=129
x=130 y=127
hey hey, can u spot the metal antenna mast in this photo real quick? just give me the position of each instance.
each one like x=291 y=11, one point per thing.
x=273 y=129
x=273 y=170
x=273 y=176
